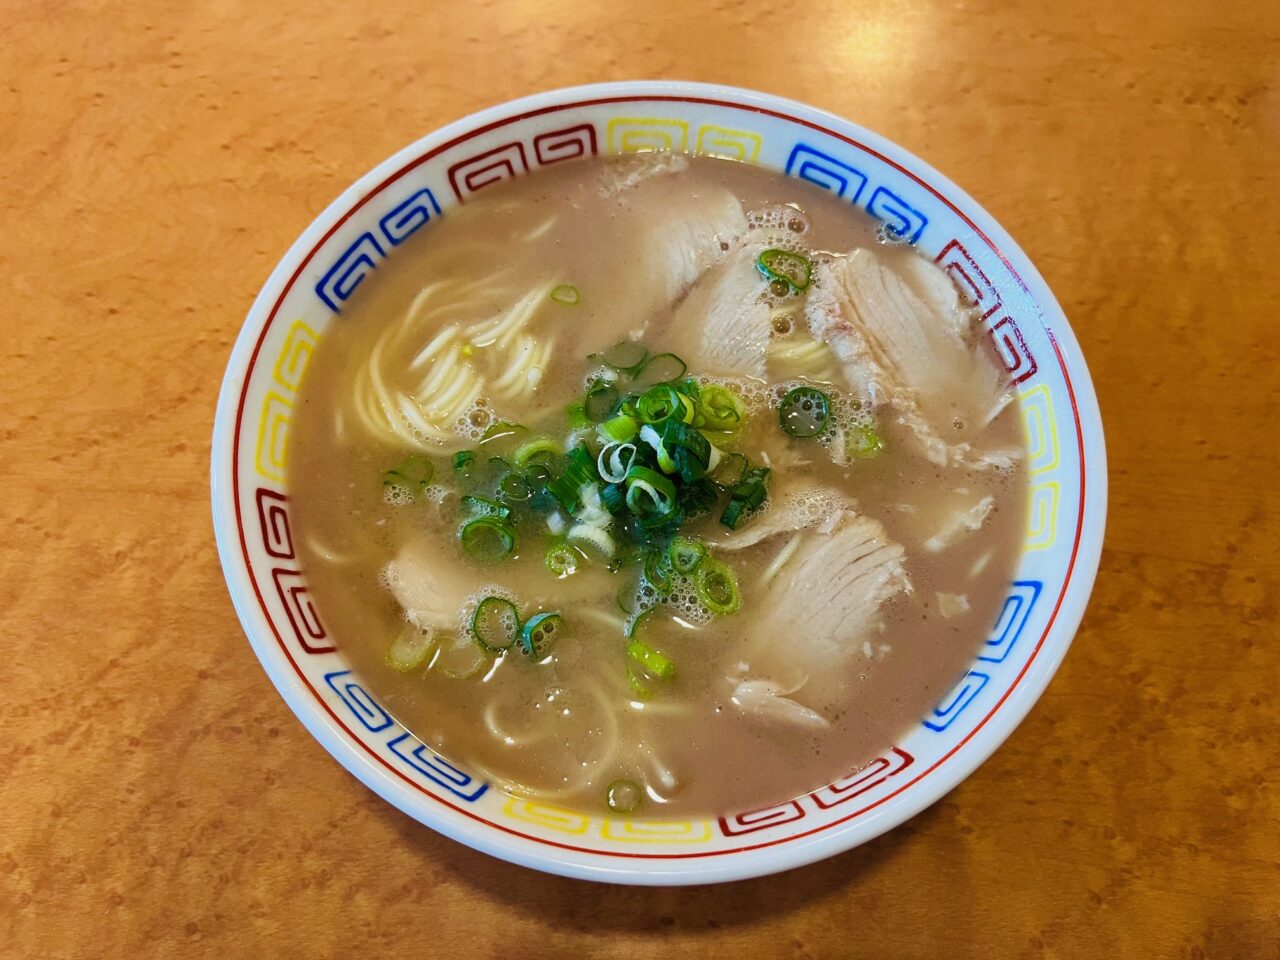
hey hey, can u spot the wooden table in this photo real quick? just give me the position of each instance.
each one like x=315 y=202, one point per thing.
x=157 y=798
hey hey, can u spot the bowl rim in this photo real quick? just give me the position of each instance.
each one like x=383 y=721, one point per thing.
x=948 y=772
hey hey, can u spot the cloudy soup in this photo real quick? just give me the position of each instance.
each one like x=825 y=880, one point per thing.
x=657 y=485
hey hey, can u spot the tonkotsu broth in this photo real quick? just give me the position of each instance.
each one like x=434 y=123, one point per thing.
x=564 y=729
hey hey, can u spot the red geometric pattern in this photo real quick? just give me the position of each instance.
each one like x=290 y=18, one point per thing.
x=295 y=596
x=484 y=169
x=977 y=290
x=567 y=144
x=511 y=159
x=968 y=277
x=303 y=616
x=754 y=820
x=273 y=518
x=860 y=781
x=1013 y=350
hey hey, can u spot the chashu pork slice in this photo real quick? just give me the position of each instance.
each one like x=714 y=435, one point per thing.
x=794 y=505
x=722 y=327
x=662 y=240
x=820 y=605
x=904 y=340
x=815 y=614
x=434 y=588
x=431 y=589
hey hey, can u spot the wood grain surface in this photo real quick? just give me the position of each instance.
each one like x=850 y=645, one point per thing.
x=156 y=796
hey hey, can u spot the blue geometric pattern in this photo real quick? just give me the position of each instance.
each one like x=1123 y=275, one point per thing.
x=1013 y=617
x=415 y=754
x=354 y=697
x=409 y=216
x=945 y=713
x=826 y=171
x=902 y=220
x=356 y=262
x=396 y=225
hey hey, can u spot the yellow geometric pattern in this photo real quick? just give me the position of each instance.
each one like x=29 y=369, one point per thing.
x=277 y=408
x=656 y=831
x=549 y=817
x=723 y=142
x=1042 y=521
x=273 y=437
x=299 y=345
x=1042 y=432
x=637 y=134
x=1043 y=457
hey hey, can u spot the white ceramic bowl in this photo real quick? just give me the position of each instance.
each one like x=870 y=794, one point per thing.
x=417 y=186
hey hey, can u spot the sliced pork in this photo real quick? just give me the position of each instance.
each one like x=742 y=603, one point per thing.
x=724 y=324
x=667 y=239
x=903 y=341
x=816 y=611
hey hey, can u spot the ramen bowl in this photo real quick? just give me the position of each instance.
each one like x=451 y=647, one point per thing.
x=411 y=192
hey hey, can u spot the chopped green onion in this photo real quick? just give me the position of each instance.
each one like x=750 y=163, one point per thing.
x=746 y=496
x=495 y=623
x=661 y=368
x=662 y=402
x=636 y=622
x=686 y=554
x=540 y=501
x=731 y=470
x=413 y=475
x=541 y=450
x=657 y=571
x=562 y=560
x=500 y=429
x=784 y=265
x=654 y=439
x=689 y=387
x=567 y=294
x=623 y=796
x=653 y=529
x=599 y=401
x=410 y=648
x=626 y=598
x=863 y=443
x=539 y=633
x=649 y=493
x=717 y=587
x=625 y=356
x=462 y=463
x=689 y=450
x=655 y=664
x=596 y=538
x=614 y=497
x=515 y=487
x=460 y=658
x=804 y=412
x=635 y=677
x=487 y=539
x=618 y=429
x=698 y=498
x=579 y=469
x=721 y=409
x=474 y=506
x=615 y=460
x=577 y=416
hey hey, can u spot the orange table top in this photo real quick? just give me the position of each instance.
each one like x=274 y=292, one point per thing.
x=157 y=795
